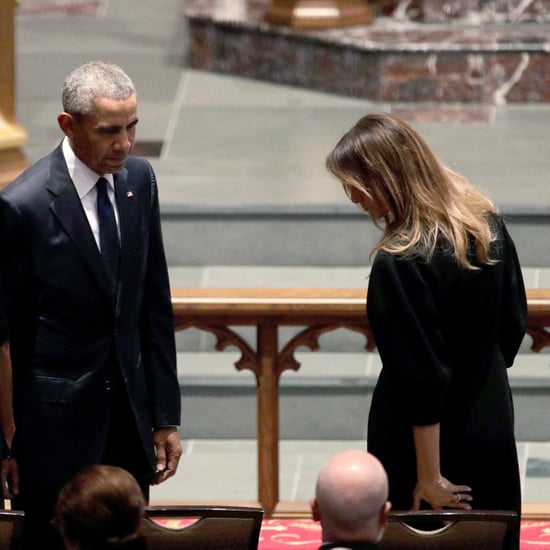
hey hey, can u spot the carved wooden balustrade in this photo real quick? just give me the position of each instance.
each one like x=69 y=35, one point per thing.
x=318 y=310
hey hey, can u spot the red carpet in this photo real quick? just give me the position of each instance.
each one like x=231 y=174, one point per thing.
x=305 y=534
x=534 y=534
x=290 y=533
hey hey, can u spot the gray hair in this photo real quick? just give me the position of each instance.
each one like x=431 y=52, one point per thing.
x=92 y=80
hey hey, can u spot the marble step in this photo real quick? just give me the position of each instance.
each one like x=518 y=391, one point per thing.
x=218 y=402
x=322 y=237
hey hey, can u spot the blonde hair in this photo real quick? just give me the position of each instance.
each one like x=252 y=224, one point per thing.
x=421 y=199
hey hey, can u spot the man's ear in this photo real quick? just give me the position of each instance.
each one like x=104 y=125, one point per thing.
x=66 y=123
x=383 y=511
x=314 y=509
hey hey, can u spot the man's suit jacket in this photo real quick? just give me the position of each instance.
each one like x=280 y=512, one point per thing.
x=67 y=333
x=3 y=321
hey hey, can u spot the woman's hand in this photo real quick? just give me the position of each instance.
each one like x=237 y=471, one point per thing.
x=441 y=493
x=431 y=486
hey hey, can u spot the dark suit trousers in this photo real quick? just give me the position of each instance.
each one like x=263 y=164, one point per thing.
x=123 y=448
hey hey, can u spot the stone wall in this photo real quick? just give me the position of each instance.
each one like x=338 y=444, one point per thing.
x=467 y=11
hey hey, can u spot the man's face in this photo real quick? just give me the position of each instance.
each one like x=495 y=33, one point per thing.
x=104 y=138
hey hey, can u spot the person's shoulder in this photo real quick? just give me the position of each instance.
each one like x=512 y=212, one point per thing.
x=133 y=161
x=139 y=171
x=496 y=223
x=502 y=241
x=27 y=184
x=138 y=165
x=383 y=257
x=385 y=261
x=34 y=172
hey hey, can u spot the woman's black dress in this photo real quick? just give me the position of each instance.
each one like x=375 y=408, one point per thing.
x=446 y=336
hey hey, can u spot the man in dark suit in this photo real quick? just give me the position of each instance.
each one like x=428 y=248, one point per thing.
x=351 y=501
x=88 y=302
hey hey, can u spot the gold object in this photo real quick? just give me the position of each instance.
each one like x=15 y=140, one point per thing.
x=320 y=13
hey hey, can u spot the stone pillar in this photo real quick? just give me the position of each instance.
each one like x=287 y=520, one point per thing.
x=12 y=136
x=320 y=13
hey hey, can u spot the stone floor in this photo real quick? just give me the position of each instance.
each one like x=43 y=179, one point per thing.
x=223 y=144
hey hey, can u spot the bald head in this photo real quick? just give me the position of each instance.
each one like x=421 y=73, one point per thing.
x=351 y=497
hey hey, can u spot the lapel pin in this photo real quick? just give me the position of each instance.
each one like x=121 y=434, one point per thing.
x=129 y=194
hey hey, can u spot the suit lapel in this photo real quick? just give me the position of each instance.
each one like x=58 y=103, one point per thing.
x=67 y=207
x=127 y=205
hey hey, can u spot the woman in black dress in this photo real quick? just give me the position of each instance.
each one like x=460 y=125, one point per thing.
x=447 y=307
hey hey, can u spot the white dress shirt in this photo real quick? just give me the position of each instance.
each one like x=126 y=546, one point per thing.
x=84 y=180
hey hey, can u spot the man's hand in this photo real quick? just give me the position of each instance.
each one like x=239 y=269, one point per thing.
x=168 y=449
x=10 y=478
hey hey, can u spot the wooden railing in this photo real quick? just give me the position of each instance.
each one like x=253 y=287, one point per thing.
x=216 y=310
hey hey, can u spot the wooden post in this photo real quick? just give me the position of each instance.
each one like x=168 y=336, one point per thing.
x=268 y=417
x=12 y=136
x=320 y=13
